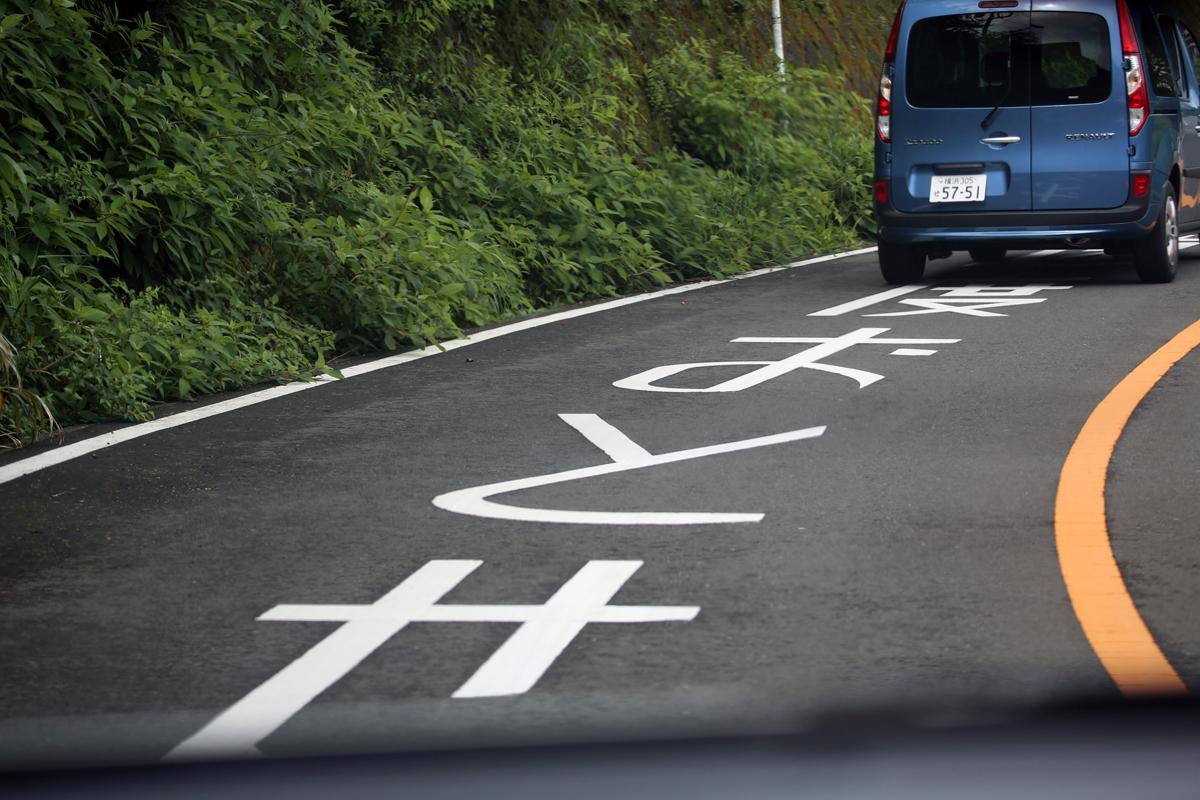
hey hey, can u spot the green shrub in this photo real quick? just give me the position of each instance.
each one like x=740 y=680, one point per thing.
x=198 y=196
x=801 y=132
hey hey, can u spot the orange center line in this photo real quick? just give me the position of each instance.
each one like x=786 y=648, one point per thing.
x=1102 y=603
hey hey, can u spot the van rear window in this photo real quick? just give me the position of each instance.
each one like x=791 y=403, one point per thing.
x=1009 y=59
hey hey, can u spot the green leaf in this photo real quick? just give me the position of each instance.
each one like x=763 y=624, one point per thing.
x=40 y=230
x=426 y=198
x=10 y=170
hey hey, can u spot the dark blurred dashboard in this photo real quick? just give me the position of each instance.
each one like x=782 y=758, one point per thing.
x=1124 y=752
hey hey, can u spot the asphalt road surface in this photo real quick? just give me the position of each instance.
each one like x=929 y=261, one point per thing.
x=876 y=535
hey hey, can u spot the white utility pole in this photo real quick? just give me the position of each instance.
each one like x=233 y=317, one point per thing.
x=777 y=25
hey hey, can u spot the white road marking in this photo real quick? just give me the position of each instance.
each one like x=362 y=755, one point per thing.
x=522 y=660
x=475 y=501
x=238 y=729
x=864 y=302
x=954 y=291
x=615 y=444
x=913 y=351
x=809 y=358
x=988 y=290
x=59 y=455
x=546 y=630
x=970 y=308
x=973 y=300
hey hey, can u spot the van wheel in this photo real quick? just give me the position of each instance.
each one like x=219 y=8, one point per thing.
x=987 y=253
x=1157 y=255
x=901 y=263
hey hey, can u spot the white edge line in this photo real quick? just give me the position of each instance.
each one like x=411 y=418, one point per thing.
x=59 y=455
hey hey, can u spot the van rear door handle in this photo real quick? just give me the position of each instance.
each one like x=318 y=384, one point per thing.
x=1000 y=139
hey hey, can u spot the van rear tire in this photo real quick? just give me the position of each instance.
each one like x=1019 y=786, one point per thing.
x=1157 y=255
x=901 y=263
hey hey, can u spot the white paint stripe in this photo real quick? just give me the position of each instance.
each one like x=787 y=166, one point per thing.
x=647 y=381
x=616 y=445
x=470 y=613
x=635 y=614
x=60 y=455
x=436 y=613
x=475 y=501
x=776 y=340
x=477 y=613
x=863 y=302
x=913 y=351
x=521 y=661
x=322 y=613
x=238 y=730
x=967 y=306
x=809 y=357
x=872 y=340
x=518 y=663
x=545 y=632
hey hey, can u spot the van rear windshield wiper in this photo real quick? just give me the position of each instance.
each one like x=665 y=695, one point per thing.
x=1008 y=89
x=991 y=114
x=1004 y=99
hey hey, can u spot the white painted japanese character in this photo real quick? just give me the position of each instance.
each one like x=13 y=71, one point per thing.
x=809 y=358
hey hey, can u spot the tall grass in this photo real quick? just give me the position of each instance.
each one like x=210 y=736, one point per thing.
x=196 y=196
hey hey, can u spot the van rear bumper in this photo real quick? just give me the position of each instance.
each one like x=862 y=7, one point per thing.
x=1129 y=221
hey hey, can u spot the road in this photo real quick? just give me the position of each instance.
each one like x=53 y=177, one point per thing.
x=861 y=521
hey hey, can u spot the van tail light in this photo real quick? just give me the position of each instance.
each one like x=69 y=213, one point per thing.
x=883 y=113
x=1141 y=185
x=882 y=195
x=883 y=108
x=1138 y=99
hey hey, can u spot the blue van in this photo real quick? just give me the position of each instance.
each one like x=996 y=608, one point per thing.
x=1024 y=124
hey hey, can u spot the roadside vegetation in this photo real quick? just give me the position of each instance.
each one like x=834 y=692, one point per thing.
x=196 y=196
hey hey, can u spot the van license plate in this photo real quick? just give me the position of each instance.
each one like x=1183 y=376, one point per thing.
x=958 y=189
